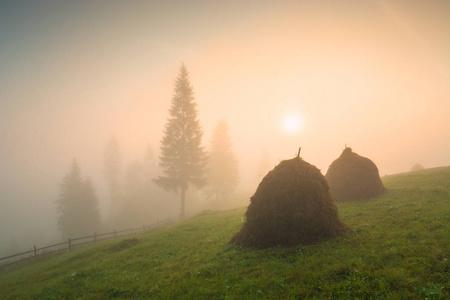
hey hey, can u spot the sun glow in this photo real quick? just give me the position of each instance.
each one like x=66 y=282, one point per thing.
x=292 y=123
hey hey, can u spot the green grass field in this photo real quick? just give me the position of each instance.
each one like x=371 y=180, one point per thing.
x=397 y=248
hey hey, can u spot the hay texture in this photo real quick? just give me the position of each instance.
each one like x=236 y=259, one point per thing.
x=291 y=205
x=353 y=177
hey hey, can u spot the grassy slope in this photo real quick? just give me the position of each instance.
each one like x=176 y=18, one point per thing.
x=397 y=247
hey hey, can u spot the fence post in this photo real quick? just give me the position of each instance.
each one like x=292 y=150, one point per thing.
x=68 y=242
x=95 y=237
x=35 y=252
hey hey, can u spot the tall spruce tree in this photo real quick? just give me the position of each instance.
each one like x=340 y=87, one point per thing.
x=77 y=205
x=183 y=159
x=223 y=173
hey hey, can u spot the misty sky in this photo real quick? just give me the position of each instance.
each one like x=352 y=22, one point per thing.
x=374 y=75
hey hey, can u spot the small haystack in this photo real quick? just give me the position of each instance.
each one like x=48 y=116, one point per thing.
x=292 y=205
x=353 y=177
x=417 y=167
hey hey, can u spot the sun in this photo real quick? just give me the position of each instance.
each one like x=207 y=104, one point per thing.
x=292 y=122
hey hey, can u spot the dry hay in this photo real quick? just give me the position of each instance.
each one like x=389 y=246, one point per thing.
x=353 y=177
x=291 y=205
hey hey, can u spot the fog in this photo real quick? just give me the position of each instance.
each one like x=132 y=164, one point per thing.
x=373 y=75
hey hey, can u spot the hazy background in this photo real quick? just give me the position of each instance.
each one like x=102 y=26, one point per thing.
x=370 y=74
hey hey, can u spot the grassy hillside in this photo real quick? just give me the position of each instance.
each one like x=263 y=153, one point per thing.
x=397 y=247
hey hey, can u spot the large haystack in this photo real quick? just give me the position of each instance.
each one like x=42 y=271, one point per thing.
x=292 y=205
x=353 y=177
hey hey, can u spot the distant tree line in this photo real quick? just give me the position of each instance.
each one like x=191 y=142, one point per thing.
x=183 y=160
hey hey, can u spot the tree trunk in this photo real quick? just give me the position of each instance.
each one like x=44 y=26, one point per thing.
x=183 y=197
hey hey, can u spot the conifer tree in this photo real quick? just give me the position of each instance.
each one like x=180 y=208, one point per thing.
x=183 y=159
x=77 y=205
x=112 y=169
x=223 y=173
x=264 y=165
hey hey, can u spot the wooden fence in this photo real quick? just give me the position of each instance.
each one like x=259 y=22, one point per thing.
x=78 y=242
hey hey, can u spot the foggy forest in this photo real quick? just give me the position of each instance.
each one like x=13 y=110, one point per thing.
x=88 y=90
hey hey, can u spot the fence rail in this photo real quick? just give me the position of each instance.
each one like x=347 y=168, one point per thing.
x=77 y=242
